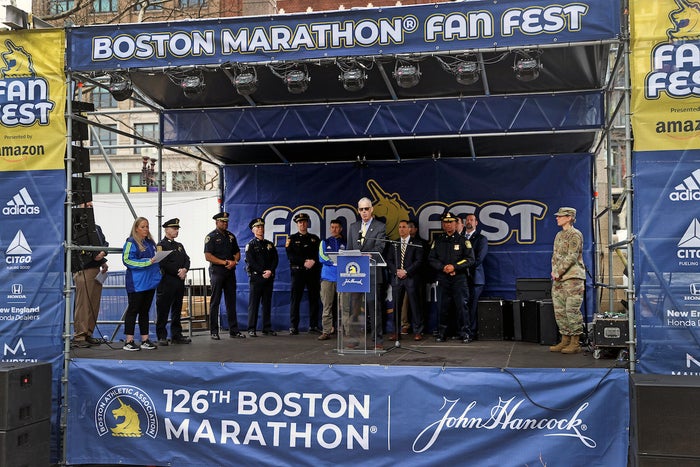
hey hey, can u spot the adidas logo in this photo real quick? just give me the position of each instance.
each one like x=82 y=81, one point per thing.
x=689 y=190
x=21 y=204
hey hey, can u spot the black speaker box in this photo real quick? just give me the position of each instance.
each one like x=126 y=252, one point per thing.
x=25 y=394
x=82 y=190
x=665 y=421
x=81 y=159
x=530 y=321
x=26 y=446
x=548 y=329
x=84 y=228
x=533 y=289
x=512 y=329
x=490 y=317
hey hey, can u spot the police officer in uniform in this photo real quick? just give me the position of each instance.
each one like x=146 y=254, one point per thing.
x=171 y=289
x=451 y=256
x=261 y=262
x=222 y=251
x=302 y=252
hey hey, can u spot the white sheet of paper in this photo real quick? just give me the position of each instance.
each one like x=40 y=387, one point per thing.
x=160 y=255
x=101 y=277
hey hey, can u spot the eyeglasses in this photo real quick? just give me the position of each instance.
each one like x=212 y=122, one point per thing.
x=363 y=209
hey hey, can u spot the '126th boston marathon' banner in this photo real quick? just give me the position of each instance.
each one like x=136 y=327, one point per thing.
x=236 y=414
x=666 y=98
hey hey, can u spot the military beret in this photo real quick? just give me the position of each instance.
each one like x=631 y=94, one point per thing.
x=256 y=222
x=222 y=216
x=448 y=217
x=302 y=216
x=174 y=223
x=565 y=211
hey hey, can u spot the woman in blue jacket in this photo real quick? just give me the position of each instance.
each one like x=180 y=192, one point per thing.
x=142 y=278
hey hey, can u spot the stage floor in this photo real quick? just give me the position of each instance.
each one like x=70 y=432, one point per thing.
x=306 y=349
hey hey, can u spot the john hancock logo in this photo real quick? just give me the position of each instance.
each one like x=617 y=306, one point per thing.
x=126 y=411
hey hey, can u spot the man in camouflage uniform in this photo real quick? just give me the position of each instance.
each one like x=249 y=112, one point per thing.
x=568 y=281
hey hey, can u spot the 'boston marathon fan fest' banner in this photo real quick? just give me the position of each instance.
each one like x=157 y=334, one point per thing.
x=32 y=194
x=254 y=414
x=666 y=123
x=386 y=31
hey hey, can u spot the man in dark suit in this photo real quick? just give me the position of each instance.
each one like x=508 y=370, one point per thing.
x=369 y=235
x=477 y=278
x=404 y=262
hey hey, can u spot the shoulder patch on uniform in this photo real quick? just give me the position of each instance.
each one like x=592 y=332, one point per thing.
x=206 y=240
x=246 y=247
x=467 y=243
x=289 y=242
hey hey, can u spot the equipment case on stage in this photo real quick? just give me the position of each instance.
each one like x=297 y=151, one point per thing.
x=491 y=320
x=611 y=331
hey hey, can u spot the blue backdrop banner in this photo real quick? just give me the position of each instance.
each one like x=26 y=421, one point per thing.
x=514 y=199
x=140 y=412
x=667 y=261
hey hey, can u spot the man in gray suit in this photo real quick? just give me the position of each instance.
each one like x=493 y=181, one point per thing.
x=368 y=235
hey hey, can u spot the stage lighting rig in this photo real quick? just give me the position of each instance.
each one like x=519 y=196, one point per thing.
x=297 y=80
x=119 y=86
x=246 y=81
x=352 y=74
x=465 y=69
x=406 y=73
x=527 y=64
x=191 y=82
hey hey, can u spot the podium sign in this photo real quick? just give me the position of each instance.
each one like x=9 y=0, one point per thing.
x=353 y=274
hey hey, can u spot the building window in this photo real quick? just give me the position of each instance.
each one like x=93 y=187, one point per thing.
x=136 y=179
x=105 y=6
x=149 y=6
x=146 y=130
x=188 y=181
x=104 y=183
x=192 y=3
x=107 y=138
x=60 y=6
x=103 y=99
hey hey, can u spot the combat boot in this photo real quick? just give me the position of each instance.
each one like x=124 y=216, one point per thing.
x=564 y=342
x=573 y=346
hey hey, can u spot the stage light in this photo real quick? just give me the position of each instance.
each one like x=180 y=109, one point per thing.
x=527 y=65
x=120 y=86
x=297 y=81
x=192 y=84
x=246 y=82
x=353 y=79
x=407 y=74
x=467 y=72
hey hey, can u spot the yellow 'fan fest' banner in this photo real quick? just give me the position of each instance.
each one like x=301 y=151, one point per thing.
x=665 y=39
x=32 y=100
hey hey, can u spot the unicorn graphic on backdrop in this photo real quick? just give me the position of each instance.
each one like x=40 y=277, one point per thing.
x=17 y=62
x=389 y=206
x=686 y=21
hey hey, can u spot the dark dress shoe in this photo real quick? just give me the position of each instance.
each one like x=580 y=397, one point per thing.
x=215 y=336
x=269 y=333
x=252 y=334
x=440 y=339
x=467 y=340
x=163 y=342
x=182 y=340
x=293 y=331
x=238 y=335
x=93 y=341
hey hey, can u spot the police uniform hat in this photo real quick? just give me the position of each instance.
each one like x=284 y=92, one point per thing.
x=448 y=217
x=174 y=223
x=222 y=216
x=302 y=216
x=256 y=222
x=565 y=211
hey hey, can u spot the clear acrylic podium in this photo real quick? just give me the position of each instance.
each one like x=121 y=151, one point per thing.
x=354 y=309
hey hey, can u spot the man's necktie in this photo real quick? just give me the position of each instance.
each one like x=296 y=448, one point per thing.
x=364 y=233
x=403 y=252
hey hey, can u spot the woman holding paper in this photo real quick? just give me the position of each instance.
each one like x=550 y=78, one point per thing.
x=142 y=278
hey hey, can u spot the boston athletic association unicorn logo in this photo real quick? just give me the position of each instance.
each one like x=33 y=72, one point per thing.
x=16 y=62
x=685 y=20
x=130 y=425
x=389 y=206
